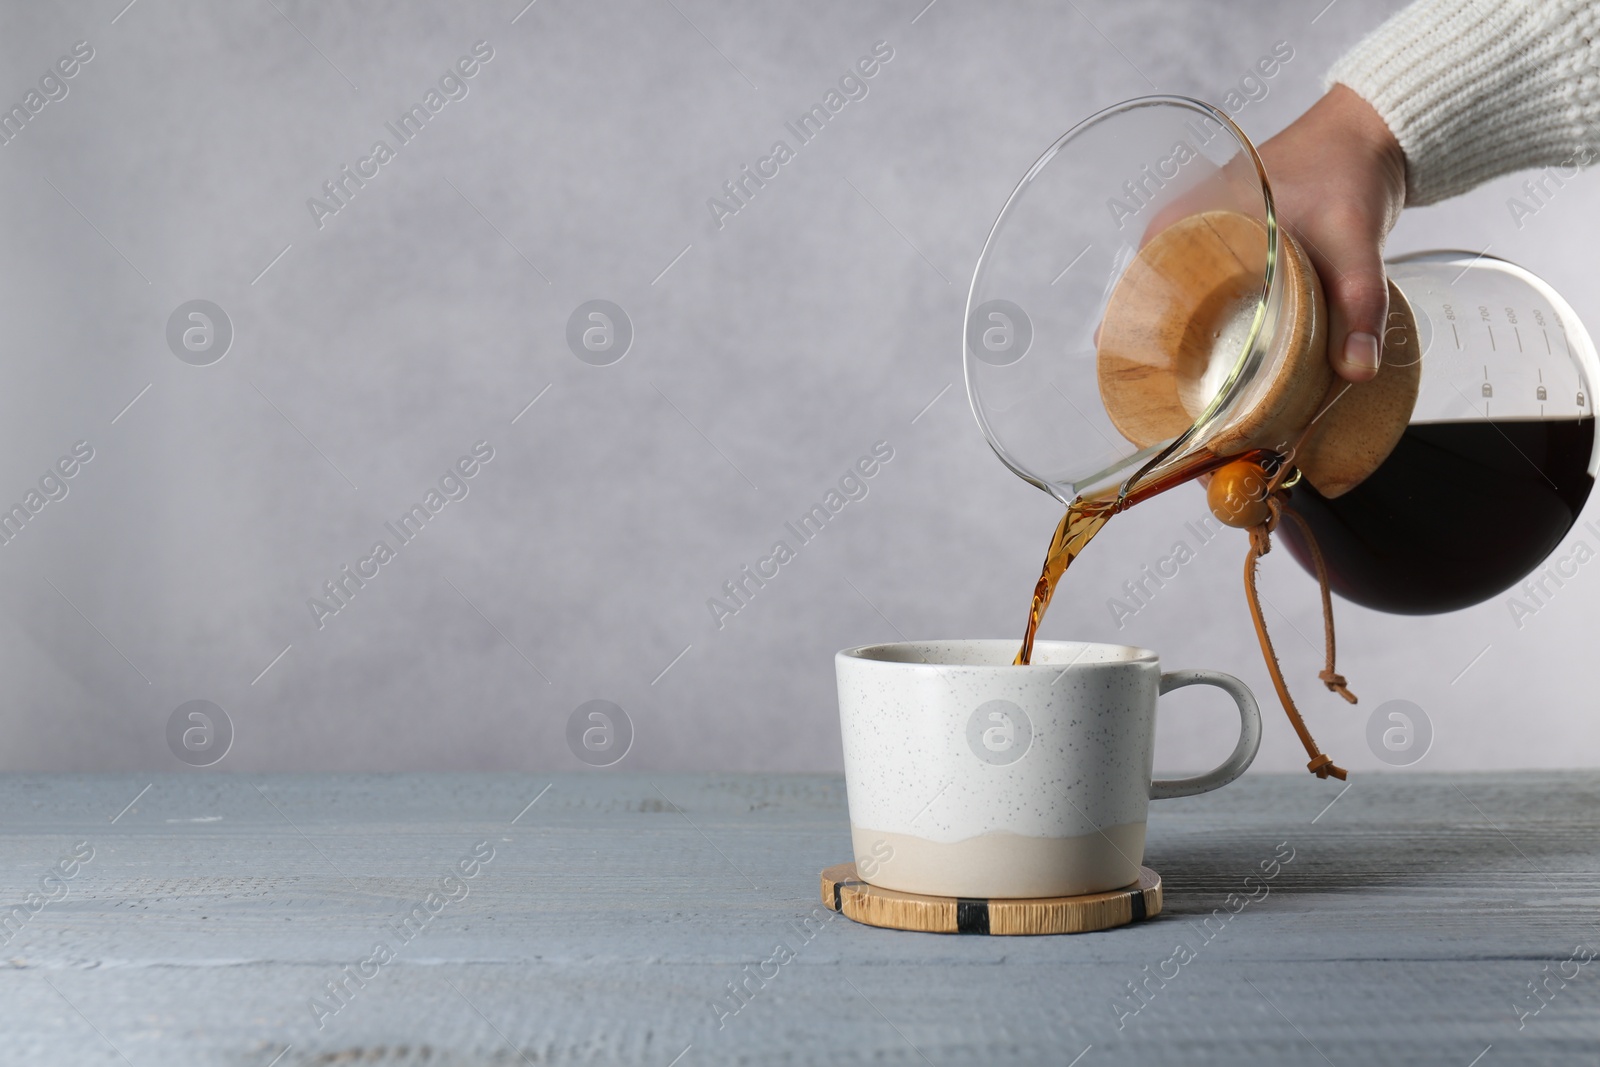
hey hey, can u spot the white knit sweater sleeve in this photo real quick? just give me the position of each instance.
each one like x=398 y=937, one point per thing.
x=1478 y=88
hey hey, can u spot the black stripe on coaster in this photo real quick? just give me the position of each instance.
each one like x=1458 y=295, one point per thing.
x=838 y=891
x=1136 y=902
x=972 y=916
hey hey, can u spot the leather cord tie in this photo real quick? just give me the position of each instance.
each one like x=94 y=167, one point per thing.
x=1260 y=544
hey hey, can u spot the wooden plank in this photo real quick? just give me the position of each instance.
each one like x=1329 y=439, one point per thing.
x=625 y=918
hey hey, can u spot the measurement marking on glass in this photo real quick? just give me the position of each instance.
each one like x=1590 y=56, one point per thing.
x=1518 y=334
x=1508 y=441
x=1456 y=335
x=1492 y=346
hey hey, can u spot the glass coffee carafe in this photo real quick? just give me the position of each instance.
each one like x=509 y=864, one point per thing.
x=1138 y=306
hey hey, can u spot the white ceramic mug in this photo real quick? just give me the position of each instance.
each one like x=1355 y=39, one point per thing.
x=970 y=777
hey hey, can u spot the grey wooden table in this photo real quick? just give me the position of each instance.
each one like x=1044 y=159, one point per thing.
x=238 y=920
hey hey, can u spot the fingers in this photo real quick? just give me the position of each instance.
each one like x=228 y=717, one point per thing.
x=1340 y=177
x=1349 y=260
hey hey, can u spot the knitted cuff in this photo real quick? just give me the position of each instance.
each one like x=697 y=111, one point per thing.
x=1473 y=89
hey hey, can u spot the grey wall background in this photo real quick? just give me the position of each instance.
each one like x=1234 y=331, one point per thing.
x=768 y=356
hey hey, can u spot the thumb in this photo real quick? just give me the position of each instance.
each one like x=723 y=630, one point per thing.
x=1349 y=261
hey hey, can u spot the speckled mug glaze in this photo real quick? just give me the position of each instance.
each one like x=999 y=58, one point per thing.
x=968 y=776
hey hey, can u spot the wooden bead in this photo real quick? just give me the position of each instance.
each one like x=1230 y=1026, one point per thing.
x=1238 y=495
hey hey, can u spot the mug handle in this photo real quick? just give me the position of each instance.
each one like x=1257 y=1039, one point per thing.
x=1243 y=753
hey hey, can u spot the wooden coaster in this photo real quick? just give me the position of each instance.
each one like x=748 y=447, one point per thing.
x=855 y=899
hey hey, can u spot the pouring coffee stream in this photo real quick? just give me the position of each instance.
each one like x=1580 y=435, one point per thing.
x=1246 y=493
x=1085 y=517
x=1180 y=333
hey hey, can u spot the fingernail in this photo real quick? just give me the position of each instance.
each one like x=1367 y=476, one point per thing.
x=1361 y=351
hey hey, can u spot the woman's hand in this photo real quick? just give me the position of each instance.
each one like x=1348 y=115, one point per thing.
x=1339 y=181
